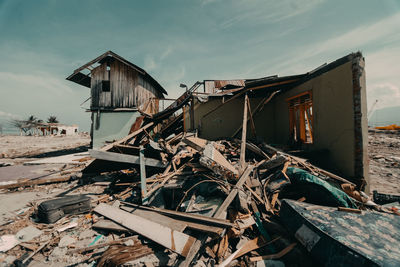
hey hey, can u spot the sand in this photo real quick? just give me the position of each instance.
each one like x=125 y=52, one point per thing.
x=14 y=146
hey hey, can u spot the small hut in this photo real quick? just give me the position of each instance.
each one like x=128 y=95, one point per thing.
x=119 y=89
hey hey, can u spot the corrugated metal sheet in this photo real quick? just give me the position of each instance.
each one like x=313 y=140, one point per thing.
x=212 y=86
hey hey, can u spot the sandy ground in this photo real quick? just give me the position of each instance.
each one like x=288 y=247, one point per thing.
x=13 y=146
x=384 y=161
x=17 y=150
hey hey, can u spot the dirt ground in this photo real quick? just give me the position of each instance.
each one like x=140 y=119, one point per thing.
x=14 y=146
x=384 y=154
x=384 y=161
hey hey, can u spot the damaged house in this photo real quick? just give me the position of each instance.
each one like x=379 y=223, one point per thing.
x=244 y=172
x=118 y=90
x=320 y=115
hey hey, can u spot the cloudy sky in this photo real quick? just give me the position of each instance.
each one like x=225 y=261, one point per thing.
x=43 y=41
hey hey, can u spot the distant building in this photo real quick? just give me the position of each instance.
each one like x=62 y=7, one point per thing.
x=57 y=129
x=119 y=89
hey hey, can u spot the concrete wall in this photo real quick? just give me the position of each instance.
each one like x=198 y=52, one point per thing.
x=224 y=121
x=332 y=94
x=340 y=118
x=112 y=126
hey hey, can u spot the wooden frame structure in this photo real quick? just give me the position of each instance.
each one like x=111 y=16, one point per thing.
x=301 y=118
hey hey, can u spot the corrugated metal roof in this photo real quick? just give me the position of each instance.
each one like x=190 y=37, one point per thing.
x=212 y=86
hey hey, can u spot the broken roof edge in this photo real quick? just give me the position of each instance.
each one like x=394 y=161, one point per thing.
x=84 y=80
x=274 y=83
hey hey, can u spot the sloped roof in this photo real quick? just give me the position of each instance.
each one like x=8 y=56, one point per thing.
x=84 y=79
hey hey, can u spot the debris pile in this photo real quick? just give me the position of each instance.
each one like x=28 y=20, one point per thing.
x=172 y=198
x=187 y=201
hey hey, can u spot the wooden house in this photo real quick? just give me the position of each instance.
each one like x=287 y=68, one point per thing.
x=119 y=89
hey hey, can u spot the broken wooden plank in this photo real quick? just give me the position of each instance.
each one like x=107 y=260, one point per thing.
x=165 y=236
x=185 y=216
x=253 y=244
x=36 y=182
x=156 y=217
x=253 y=126
x=278 y=255
x=216 y=162
x=126 y=138
x=175 y=224
x=109 y=225
x=143 y=185
x=244 y=133
x=124 y=158
x=195 y=142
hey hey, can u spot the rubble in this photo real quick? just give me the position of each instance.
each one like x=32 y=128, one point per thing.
x=162 y=195
x=203 y=202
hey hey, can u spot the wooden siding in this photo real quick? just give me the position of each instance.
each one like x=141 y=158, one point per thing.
x=128 y=89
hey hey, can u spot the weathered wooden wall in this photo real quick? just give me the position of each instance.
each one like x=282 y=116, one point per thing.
x=128 y=88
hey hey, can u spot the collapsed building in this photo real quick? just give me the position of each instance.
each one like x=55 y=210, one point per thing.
x=323 y=113
x=245 y=172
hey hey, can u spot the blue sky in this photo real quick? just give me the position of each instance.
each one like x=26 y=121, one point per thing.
x=43 y=41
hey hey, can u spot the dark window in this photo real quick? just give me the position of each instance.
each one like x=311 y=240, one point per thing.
x=105 y=86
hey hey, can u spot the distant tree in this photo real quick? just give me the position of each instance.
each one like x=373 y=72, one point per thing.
x=32 y=118
x=52 y=119
x=27 y=126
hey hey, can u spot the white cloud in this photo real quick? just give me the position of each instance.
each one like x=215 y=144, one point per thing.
x=38 y=83
x=166 y=52
x=206 y=2
x=8 y=115
x=387 y=94
x=260 y=11
x=380 y=44
x=149 y=63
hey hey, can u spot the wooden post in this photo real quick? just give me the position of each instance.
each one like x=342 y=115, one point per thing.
x=253 y=126
x=142 y=175
x=192 y=114
x=244 y=132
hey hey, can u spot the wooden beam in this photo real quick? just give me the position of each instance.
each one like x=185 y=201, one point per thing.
x=221 y=209
x=128 y=137
x=36 y=182
x=124 y=158
x=278 y=255
x=244 y=132
x=253 y=126
x=165 y=236
x=184 y=215
x=143 y=184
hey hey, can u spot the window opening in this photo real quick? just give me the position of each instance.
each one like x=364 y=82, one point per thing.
x=105 y=86
x=301 y=119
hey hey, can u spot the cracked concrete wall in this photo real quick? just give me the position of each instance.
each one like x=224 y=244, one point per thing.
x=334 y=126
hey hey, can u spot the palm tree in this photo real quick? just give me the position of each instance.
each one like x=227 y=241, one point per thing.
x=52 y=119
x=32 y=119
